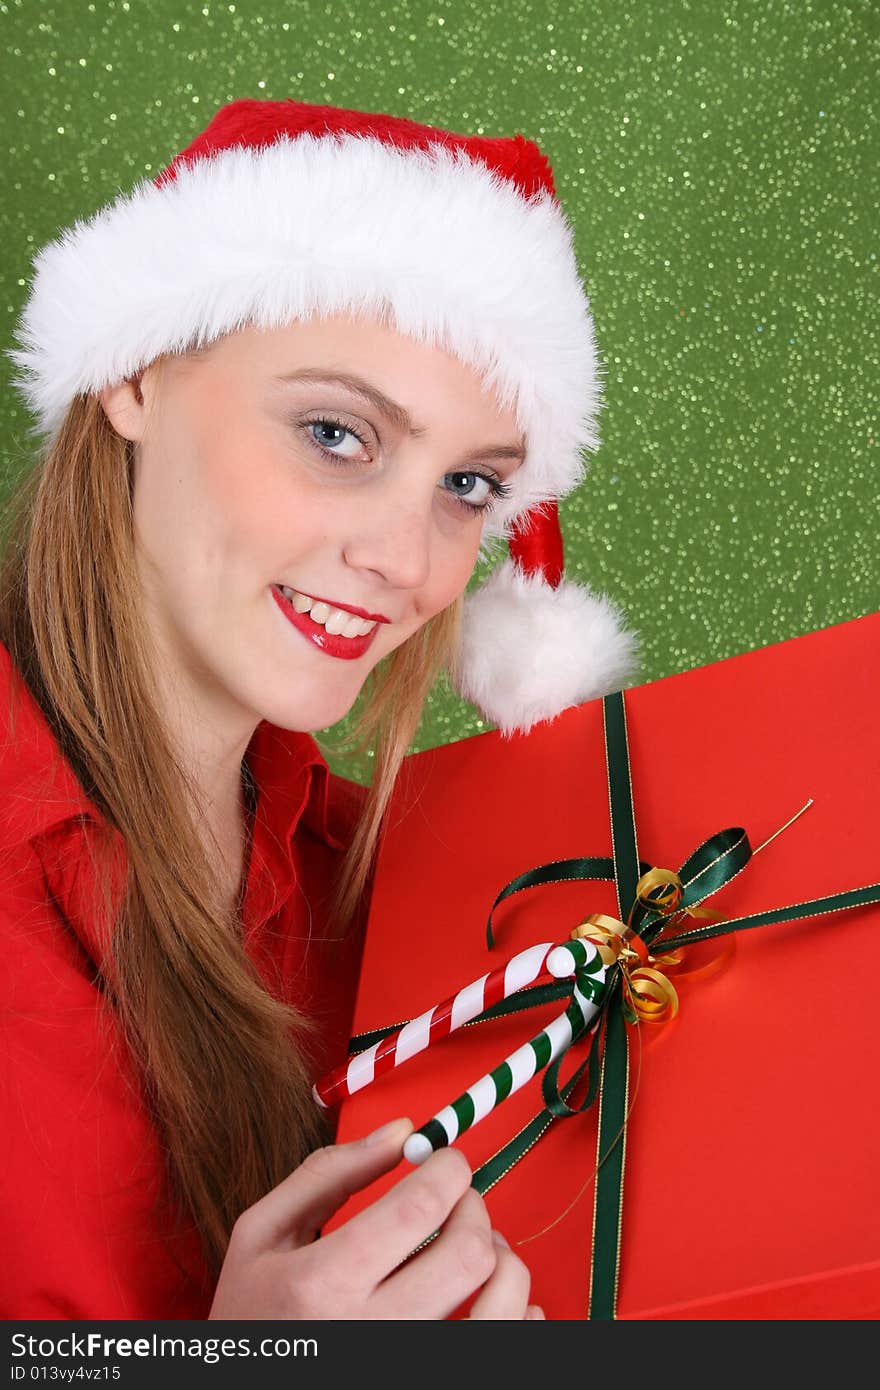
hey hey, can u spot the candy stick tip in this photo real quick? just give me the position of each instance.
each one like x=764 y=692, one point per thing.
x=417 y=1148
x=559 y=962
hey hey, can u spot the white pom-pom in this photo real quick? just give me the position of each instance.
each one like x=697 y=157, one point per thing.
x=529 y=651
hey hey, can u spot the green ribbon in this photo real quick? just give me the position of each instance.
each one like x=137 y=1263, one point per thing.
x=712 y=865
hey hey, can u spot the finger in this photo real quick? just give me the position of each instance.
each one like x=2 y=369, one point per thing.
x=506 y=1295
x=293 y=1212
x=375 y=1241
x=440 y=1277
x=533 y=1312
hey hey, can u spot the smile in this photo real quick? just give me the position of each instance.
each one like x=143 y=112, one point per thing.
x=333 y=630
x=339 y=621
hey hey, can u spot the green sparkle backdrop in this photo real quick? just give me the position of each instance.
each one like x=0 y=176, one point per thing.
x=718 y=162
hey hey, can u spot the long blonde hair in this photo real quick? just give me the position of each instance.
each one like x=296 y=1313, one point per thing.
x=208 y=1038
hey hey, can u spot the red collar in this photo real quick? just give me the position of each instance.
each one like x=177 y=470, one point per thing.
x=42 y=800
x=39 y=788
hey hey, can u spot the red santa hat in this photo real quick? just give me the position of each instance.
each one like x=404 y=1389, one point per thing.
x=460 y=239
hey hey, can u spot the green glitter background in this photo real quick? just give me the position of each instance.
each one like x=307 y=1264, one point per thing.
x=718 y=162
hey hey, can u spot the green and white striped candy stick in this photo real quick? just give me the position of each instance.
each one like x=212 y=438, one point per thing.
x=579 y=958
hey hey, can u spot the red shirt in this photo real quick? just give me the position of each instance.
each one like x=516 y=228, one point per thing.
x=81 y=1177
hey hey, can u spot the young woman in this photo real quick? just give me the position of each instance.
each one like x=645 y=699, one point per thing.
x=287 y=393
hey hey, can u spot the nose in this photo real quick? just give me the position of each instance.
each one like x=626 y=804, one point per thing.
x=392 y=540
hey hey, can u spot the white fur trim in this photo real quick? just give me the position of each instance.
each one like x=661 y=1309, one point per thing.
x=313 y=225
x=529 y=651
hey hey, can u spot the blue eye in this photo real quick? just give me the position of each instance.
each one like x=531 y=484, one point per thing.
x=462 y=485
x=329 y=434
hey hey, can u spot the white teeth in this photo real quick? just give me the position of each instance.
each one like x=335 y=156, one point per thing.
x=336 y=620
x=301 y=602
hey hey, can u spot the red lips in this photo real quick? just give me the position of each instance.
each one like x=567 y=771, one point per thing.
x=346 y=607
x=346 y=648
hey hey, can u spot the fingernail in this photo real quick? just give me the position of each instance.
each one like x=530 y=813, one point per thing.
x=395 y=1129
x=499 y=1240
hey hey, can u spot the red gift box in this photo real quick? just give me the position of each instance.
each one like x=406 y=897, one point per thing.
x=753 y=1144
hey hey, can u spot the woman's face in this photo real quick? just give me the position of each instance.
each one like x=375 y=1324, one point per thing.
x=335 y=458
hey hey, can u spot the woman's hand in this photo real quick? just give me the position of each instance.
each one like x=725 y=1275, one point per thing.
x=276 y=1268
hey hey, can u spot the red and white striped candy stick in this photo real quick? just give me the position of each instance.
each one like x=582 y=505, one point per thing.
x=435 y=1023
x=579 y=958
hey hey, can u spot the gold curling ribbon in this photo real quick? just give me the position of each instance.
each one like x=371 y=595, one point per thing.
x=667 y=886
x=652 y=997
x=666 y=901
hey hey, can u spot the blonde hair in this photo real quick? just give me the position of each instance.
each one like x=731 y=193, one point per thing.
x=220 y=1058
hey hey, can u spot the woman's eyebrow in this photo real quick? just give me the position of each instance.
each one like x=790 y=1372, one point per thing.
x=498 y=451
x=392 y=410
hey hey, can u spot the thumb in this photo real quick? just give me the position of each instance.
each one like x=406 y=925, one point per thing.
x=297 y=1208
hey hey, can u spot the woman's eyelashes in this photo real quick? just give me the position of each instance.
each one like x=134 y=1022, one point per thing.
x=495 y=489
x=322 y=437
x=328 y=436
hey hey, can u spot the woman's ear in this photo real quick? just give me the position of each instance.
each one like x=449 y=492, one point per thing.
x=125 y=409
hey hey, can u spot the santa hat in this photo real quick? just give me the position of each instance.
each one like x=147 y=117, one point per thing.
x=460 y=239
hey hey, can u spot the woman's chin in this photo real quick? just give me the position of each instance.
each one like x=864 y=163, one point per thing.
x=309 y=716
